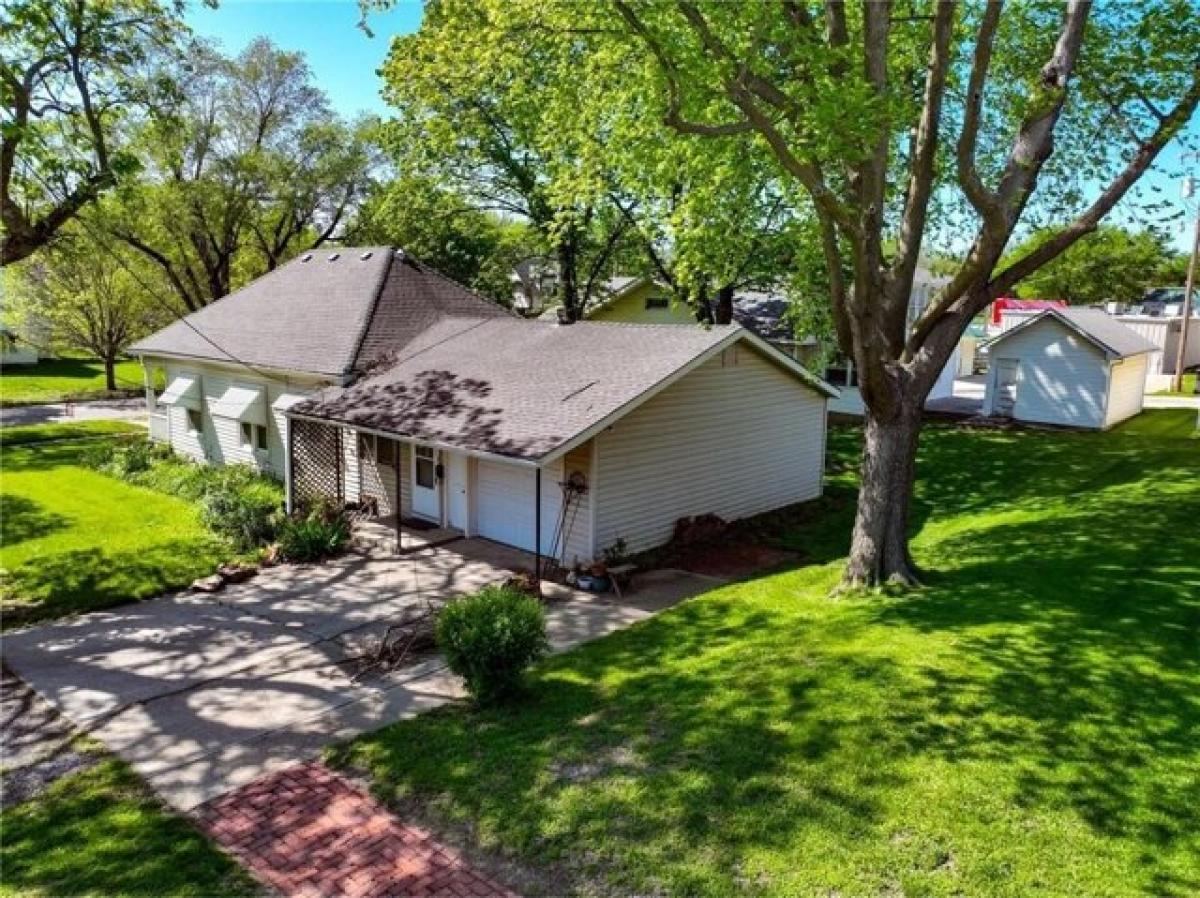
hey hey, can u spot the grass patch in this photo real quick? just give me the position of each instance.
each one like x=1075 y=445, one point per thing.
x=73 y=539
x=25 y=434
x=1025 y=724
x=55 y=380
x=102 y=833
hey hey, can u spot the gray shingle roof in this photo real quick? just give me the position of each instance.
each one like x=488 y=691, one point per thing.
x=329 y=312
x=1105 y=331
x=516 y=388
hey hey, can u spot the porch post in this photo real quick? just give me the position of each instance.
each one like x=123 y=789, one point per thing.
x=399 y=492
x=537 y=528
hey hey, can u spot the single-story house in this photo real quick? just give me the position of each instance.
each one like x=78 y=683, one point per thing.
x=383 y=383
x=1076 y=367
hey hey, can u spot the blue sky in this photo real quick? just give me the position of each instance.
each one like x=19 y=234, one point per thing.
x=345 y=60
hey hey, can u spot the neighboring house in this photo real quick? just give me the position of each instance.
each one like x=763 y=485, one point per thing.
x=1072 y=366
x=420 y=397
x=643 y=300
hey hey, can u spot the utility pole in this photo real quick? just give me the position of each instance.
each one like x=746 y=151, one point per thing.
x=1181 y=350
x=1189 y=190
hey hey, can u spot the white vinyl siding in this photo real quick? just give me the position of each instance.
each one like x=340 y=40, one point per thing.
x=220 y=440
x=735 y=437
x=1127 y=384
x=579 y=515
x=1062 y=377
x=378 y=479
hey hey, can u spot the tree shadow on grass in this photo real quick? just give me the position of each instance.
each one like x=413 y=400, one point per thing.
x=665 y=756
x=95 y=578
x=101 y=832
x=23 y=519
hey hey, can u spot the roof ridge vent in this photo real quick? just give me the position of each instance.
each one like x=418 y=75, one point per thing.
x=365 y=256
x=333 y=257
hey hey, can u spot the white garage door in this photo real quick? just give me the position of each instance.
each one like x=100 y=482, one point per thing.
x=505 y=504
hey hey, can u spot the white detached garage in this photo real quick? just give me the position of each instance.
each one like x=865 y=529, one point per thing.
x=599 y=432
x=1072 y=367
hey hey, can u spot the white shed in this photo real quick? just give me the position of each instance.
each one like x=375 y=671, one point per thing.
x=1072 y=366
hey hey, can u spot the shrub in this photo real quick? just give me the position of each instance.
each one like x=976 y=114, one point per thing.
x=316 y=535
x=490 y=638
x=246 y=513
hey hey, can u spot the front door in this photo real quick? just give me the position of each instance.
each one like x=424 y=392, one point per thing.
x=458 y=506
x=1006 y=387
x=426 y=492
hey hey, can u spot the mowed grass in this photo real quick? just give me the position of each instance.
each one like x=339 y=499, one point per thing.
x=1027 y=724
x=1188 y=387
x=72 y=539
x=102 y=833
x=53 y=380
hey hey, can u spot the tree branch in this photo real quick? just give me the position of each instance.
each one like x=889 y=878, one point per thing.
x=981 y=198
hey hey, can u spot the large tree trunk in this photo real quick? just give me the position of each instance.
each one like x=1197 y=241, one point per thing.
x=568 y=284
x=879 y=546
x=723 y=306
x=110 y=374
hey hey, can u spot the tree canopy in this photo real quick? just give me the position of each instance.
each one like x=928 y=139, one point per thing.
x=1111 y=263
x=895 y=123
x=75 y=76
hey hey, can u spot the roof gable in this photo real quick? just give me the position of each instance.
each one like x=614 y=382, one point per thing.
x=328 y=312
x=1101 y=330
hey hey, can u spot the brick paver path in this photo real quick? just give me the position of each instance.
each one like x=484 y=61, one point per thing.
x=308 y=832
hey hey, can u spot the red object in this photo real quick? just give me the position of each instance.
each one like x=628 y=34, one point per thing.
x=1006 y=302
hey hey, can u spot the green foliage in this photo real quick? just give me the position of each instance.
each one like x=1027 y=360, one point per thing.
x=102 y=832
x=313 y=535
x=246 y=511
x=446 y=231
x=1108 y=264
x=236 y=502
x=252 y=166
x=75 y=75
x=1025 y=725
x=490 y=638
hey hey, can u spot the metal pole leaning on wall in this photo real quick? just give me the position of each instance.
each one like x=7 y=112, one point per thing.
x=537 y=528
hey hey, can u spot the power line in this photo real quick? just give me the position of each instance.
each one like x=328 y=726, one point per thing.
x=169 y=306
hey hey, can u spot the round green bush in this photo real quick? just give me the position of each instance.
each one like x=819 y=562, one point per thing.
x=489 y=639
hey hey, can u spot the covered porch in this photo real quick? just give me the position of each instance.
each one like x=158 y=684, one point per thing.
x=407 y=494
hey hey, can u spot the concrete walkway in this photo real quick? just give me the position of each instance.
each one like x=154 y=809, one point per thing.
x=203 y=694
x=132 y=410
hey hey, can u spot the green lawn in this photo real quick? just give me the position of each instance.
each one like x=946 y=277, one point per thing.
x=1027 y=724
x=53 y=380
x=72 y=539
x=102 y=833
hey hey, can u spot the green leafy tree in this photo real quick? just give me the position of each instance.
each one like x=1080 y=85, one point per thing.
x=897 y=122
x=1108 y=264
x=91 y=301
x=247 y=168
x=74 y=75
x=475 y=247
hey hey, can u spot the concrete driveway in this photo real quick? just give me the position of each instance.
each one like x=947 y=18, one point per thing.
x=202 y=694
x=132 y=410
